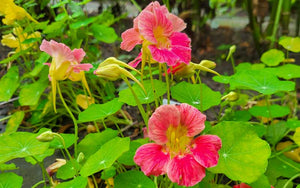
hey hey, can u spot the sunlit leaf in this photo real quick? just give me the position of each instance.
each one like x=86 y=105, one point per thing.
x=199 y=96
x=105 y=156
x=261 y=81
x=14 y=122
x=9 y=83
x=145 y=98
x=10 y=180
x=10 y=166
x=272 y=57
x=272 y=111
x=243 y=156
x=133 y=179
x=100 y=111
x=290 y=43
x=19 y=145
x=78 y=182
x=288 y=71
x=31 y=93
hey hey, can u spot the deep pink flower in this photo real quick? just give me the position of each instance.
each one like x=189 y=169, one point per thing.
x=159 y=31
x=65 y=64
x=176 y=152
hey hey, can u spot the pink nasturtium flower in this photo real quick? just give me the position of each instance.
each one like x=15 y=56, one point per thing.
x=159 y=32
x=65 y=64
x=176 y=152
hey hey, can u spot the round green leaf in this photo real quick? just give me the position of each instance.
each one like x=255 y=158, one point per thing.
x=10 y=180
x=145 y=98
x=133 y=179
x=19 y=145
x=197 y=95
x=100 y=111
x=288 y=71
x=261 y=81
x=104 y=33
x=78 y=182
x=272 y=111
x=105 y=156
x=272 y=57
x=243 y=156
x=290 y=43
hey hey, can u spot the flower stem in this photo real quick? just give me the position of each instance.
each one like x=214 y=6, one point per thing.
x=73 y=119
x=153 y=88
x=167 y=82
x=290 y=180
x=45 y=173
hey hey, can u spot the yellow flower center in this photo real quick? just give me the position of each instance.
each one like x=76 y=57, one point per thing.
x=178 y=141
x=162 y=40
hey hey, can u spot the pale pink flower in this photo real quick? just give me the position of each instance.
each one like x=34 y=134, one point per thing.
x=159 y=31
x=176 y=152
x=65 y=64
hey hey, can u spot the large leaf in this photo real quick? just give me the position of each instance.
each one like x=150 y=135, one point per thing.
x=287 y=71
x=104 y=33
x=9 y=83
x=197 y=95
x=14 y=122
x=93 y=141
x=272 y=111
x=290 y=43
x=78 y=182
x=31 y=93
x=261 y=81
x=145 y=98
x=105 y=156
x=243 y=156
x=272 y=57
x=133 y=179
x=10 y=180
x=19 y=145
x=100 y=111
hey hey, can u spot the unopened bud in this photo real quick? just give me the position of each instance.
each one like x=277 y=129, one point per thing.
x=91 y=129
x=80 y=157
x=55 y=166
x=183 y=70
x=46 y=136
x=209 y=64
x=231 y=96
x=111 y=72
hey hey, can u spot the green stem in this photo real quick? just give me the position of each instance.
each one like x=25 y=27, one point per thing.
x=38 y=183
x=73 y=119
x=136 y=5
x=45 y=173
x=141 y=108
x=96 y=126
x=167 y=82
x=232 y=63
x=95 y=182
x=290 y=180
x=152 y=83
x=275 y=28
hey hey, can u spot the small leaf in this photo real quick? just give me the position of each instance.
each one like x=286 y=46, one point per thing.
x=127 y=157
x=31 y=93
x=10 y=166
x=145 y=98
x=288 y=71
x=100 y=111
x=105 y=156
x=272 y=57
x=290 y=43
x=14 y=122
x=272 y=111
x=296 y=136
x=10 y=180
x=82 y=23
x=9 y=83
x=68 y=170
x=56 y=143
x=275 y=132
x=243 y=156
x=197 y=95
x=222 y=79
x=293 y=123
x=78 y=182
x=133 y=179
x=93 y=141
x=104 y=33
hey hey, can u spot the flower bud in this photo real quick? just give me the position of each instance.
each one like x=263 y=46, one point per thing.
x=209 y=64
x=231 y=96
x=46 y=136
x=183 y=70
x=80 y=157
x=55 y=166
x=111 y=72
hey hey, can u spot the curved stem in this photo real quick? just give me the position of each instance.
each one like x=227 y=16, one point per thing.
x=290 y=180
x=167 y=82
x=73 y=119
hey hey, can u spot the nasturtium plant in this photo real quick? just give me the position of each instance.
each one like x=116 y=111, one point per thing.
x=13 y=123
x=197 y=95
x=78 y=182
x=275 y=132
x=271 y=111
x=290 y=43
x=243 y=156
x=10 y=180
x=9 y=83
x=288 y=71
x=134 y=179
x=272 y=57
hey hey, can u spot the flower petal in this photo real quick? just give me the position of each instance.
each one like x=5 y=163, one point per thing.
x=192 y=118
x=163 y=55
x=163 y=117
x=151 y=159
x=185 y=170
x=82 y=67
x=131 y=37
x=183 y=53
x=242 y=185
x=178 y=23
x=134 y=63
x=205 y=150
x=78 y=54
x=180 y=39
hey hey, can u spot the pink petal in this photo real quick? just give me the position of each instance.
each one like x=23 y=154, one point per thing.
x=180 y=39
x=163 y=117
x=185 y=170
x=178 y=23
x=242 y=185
x=163 y=55
x=131 y=38
x=205 y=150
x=155 y=5
x=82 y=67
x=192 y=118
x=151 y=159
x=183 y=53
x=78 y=54
x=134 y=63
